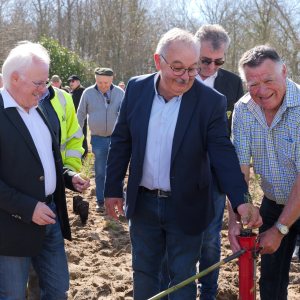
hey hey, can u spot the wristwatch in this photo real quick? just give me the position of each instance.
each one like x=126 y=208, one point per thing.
x=283 y=229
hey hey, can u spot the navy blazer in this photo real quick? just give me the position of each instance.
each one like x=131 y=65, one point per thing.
x=200 y=138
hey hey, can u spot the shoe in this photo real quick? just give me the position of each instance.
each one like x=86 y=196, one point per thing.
x=295 y=256
x=100 y=207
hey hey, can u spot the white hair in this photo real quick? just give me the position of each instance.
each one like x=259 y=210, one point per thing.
x=183 y=37
x=21 y=58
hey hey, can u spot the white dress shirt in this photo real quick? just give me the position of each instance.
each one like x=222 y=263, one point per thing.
x=41 y=137
x=161 y=128
x=210 y=81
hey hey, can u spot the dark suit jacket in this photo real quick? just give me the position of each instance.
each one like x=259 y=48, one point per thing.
x=22 y=186
x=231 y=86
x=200 y=134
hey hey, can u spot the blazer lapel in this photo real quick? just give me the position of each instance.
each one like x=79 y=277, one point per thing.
x=186 y=110
x=146 y=105
x=18 y=122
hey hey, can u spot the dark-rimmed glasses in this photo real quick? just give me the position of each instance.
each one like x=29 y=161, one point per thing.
x=180 y=71
x=39 y=86
x=106 y=98
x=208 y=61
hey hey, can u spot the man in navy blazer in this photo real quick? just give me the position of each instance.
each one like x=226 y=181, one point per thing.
x=170 y=128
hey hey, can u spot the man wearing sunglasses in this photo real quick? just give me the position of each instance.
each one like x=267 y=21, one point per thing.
x=101 y=103
x=214 y=42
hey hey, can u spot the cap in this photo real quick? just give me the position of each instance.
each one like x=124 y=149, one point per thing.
x=104 y=71
x=55 y=78
x=74 y=77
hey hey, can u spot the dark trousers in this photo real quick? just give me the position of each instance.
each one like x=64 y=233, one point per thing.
x=275 y=267
x=84 y=143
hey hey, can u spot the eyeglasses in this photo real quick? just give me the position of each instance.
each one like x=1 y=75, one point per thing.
x=208 y=61
x=106 y=96
x=39 y=86
x=180 y=71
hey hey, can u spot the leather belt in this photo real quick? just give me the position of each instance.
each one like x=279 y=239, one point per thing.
x=159 y=193
x=49 y=199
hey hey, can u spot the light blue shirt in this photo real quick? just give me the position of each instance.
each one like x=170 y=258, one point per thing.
x=161 y=128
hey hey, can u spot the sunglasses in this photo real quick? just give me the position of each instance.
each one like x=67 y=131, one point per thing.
x=106 y=96
x=208 y=61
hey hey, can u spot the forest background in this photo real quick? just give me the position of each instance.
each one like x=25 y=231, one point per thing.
x=123 y=34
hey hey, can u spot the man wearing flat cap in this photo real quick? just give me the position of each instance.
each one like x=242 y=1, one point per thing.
x=101 y=103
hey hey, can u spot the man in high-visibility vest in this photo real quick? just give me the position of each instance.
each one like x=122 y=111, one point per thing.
x=69 y=136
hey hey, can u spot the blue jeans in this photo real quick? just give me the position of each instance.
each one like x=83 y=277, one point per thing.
x=50 y=265
x=211 y=247
x=274 y=278
x=153 y=229
x=100 y=147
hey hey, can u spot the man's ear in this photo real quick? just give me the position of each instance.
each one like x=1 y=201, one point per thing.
x=15 y=78
x=284 y=71
x=112 y=78
x=157 y=61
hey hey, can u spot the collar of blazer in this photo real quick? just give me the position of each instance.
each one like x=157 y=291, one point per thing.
x=186 y=110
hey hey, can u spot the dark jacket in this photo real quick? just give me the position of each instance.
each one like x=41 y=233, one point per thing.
x=231 y=86
x=22 y=186
x=76 y=95
x=200 y=137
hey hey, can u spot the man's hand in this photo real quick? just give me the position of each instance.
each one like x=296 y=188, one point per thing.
x=250 y=215
x=79 y=183
x=110 y=204
x=43 y=215
x=270 y=240
x=235 y=228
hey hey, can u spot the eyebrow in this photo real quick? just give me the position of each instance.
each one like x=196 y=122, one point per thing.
x=267 y=78
x=180 y=62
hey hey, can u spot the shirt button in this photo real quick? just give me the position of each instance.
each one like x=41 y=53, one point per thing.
x=41 y=178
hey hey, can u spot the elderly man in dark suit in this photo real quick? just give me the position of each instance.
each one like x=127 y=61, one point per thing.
x=33 y=211
x=214 y=42
x=170 y=134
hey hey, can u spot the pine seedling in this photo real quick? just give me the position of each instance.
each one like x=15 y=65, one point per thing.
x=87 y=166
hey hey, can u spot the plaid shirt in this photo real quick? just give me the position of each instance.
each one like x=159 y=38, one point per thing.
x=275 y=150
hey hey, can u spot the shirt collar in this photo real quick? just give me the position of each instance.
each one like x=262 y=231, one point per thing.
x=210 y=77
x=9 y=101
x=44 y=96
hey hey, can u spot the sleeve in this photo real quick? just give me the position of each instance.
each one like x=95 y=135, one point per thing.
x=119 y=152
x=240 y=138
x=82 y=109
x=16 y=203
x=223 y=157
x=75 y=138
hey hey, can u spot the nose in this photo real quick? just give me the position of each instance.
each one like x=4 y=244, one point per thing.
x=44 y=89
x=185 y=76
x=262 y=89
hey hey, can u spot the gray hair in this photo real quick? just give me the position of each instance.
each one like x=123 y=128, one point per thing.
x=1 y=76
x=21 y=58
x=256 y=56
x=185 y=38
x=216 y=34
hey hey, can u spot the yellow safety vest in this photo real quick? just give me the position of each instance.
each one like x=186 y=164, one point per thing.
x=70 y=131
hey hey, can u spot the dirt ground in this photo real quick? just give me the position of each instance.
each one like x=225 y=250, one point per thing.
x=100 y=258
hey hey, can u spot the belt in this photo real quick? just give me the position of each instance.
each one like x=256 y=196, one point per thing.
x=49 y=199
x=159 y=193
